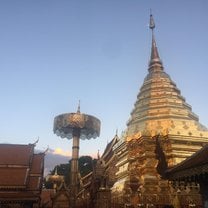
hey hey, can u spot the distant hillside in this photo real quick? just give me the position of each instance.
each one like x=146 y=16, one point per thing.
x=51 y=160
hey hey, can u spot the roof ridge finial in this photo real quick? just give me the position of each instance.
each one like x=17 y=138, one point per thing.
x=46 y=150
x=78 y=108
x=36 y=141
x=155 y=58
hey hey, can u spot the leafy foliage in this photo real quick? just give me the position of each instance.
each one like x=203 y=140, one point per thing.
x=86 y=164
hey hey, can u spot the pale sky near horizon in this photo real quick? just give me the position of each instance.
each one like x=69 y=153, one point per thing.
x=56 y=52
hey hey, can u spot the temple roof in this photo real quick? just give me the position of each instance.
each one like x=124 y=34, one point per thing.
x=10 y=154
x=109 y=148
x=18 y=196
x=37 y=164
x=21 y=171
x=13 y=177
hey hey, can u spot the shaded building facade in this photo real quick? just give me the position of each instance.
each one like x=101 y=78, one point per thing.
x=193 y=170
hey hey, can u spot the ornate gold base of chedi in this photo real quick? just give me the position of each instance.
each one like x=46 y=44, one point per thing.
x=146 y=186
x=142 y=161
x=152 y=190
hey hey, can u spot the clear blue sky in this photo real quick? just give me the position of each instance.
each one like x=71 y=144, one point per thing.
x=53 y=53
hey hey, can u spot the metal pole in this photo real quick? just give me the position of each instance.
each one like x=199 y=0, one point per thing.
x=74 y=166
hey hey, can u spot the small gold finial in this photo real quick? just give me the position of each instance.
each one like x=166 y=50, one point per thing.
x=78 y=109
x=56 y=171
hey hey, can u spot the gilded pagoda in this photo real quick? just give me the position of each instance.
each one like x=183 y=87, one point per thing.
x=160 y=117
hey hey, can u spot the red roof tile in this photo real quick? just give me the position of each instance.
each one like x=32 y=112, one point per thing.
x=21 y=172
x=11 y=196
x=34 y=183
x=37 y=163
x=14 y=177
x=11 y=154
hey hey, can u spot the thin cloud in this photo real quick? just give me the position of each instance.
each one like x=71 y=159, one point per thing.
x=59 y=151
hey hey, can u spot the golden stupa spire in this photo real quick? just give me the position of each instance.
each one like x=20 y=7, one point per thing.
x=155 y=58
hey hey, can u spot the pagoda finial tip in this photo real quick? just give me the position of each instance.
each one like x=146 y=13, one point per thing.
x=152 y=23
x=154 y=58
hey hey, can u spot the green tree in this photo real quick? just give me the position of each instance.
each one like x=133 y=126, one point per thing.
x=86 y=164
